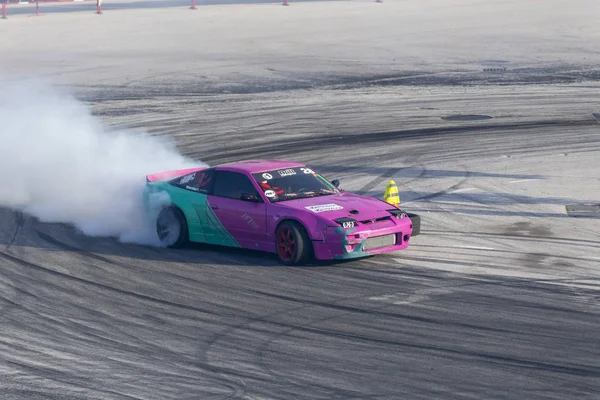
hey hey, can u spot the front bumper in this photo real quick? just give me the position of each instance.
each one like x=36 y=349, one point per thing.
x=392 y=235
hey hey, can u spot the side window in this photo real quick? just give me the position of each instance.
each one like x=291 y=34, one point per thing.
x=232 y=185
x=199 y=181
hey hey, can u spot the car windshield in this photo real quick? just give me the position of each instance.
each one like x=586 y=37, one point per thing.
x=293 y=183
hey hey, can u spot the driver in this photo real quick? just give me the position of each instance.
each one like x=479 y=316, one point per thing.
x=265 y=186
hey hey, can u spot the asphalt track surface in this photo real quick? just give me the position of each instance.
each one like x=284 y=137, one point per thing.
x=498 y=298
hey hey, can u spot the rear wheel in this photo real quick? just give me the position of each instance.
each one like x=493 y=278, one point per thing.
x=292 y=243
x=171 y=227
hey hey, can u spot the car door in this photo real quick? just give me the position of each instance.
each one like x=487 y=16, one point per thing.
x=239 y=208
x=198 y=185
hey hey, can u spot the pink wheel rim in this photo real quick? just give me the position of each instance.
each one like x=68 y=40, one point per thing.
x=286 y=244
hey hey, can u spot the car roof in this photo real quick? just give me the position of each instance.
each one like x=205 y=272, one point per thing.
x=254 y=166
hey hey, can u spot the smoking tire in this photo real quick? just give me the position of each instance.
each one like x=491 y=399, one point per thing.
x=171 y=228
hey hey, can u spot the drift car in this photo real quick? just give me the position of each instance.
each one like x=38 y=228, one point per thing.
x=275 y=206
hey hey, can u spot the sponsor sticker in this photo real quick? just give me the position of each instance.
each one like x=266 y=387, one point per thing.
x=286 y=172
x=187 y=178
x=248 y=218
x=270 y=193
x=267 y=176
x=324 y=207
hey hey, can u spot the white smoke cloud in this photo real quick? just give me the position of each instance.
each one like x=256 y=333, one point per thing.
x=59 y=164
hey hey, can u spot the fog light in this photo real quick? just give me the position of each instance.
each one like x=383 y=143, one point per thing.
x=406 y=238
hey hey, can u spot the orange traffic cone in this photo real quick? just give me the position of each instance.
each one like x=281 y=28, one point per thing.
x=391 y=195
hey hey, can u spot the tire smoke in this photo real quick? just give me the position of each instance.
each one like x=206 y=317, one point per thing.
x=60 y=164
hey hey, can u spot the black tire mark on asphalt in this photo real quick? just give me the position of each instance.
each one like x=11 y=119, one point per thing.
x=446 y=191
x=14 y=299
x=277 y=148
x=540 y=285
x=20 y=220
x=216 y=367
x=35 y=371
x=378 y=180
x=389 y=174
x=485 y=357
x=449 y=248
x=173 y=255
x=482 y=356
x=589 y=243
x=62 y=245
x=270 y=320
x=103 y=286
x=235 y=387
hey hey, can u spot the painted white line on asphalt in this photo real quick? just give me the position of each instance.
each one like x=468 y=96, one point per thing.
x=463 y=190
x=473 y=247
x=400 y=299
x=524 y=180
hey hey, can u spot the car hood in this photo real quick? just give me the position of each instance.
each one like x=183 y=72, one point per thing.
x=342 y=205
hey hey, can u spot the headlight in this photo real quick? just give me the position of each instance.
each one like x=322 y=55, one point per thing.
x=398 y=213
x=346 y=222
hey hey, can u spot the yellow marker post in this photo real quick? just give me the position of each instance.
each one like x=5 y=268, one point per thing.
x=391 y=195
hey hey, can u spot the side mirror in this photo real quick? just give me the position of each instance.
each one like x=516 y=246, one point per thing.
x=250 y=197
x=336 y=182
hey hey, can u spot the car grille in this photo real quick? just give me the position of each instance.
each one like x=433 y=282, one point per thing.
x=372 y=221
x=378 y=242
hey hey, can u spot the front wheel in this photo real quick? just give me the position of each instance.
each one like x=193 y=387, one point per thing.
x=171 y=228
x=415 y=219
x=292 y=243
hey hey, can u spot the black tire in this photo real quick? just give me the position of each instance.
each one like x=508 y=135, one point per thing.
x=171 y=228
x=302 y=246
x=415 y=219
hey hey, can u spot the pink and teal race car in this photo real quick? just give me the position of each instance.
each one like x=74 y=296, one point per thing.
x=275 y=206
